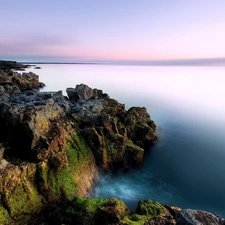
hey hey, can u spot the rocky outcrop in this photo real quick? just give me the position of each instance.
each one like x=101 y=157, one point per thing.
x=82 y=93
x=12 y=65
x=116 y=136
x=198 y=217
x=50 y=146
x=14 y=82
x=148 y=212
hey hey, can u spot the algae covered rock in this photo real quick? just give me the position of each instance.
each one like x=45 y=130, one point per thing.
x=67 y=166
x=64 y=168
x=150 y=207
x=91 y=211
x=20 y=199
x=112 y=211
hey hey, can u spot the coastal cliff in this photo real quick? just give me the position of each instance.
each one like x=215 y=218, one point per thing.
x=52 y=146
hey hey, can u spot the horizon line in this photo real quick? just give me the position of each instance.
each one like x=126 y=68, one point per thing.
x=170 y=62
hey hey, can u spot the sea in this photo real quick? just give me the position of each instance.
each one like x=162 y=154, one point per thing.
x=185 y=167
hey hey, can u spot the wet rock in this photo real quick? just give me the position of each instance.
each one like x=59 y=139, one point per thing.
x=199 y=217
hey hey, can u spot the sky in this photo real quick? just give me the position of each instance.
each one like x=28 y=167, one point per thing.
x=92 y=30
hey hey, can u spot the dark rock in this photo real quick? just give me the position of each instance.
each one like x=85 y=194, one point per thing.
x=72 y=94
x=97 y=93
x=26 y=81
x=12 y=65
x=198 y=217
x=106 y=129
x=161 y=220
x=82 y=93
x=112 y=212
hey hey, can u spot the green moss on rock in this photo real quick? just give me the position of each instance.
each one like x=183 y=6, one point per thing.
x=134 y=219
x=82 y=211
x=19 y=196
x=150 y=208
x=76 y=168
x=93 y=211
x=4 y=216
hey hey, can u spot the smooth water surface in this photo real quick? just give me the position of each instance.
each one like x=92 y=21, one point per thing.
x=186 y=166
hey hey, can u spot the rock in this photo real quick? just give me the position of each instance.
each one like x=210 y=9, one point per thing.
x=64 y=168
x=26 y=81
x=116 y=136
x=97 y=93
x=149 y=207
x=112 y=212
x=20 y=198
x=12 y=65
x=27 y=120
x=82 y=93
x=94 y=211
x=2 y=150
x=199 y=217
x=112 y=138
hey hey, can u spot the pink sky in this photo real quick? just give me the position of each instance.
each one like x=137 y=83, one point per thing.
x=115 y=30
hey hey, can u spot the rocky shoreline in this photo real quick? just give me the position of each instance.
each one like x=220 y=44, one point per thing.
x=52 y=147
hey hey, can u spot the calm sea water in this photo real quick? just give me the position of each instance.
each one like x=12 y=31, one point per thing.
x=186 y=166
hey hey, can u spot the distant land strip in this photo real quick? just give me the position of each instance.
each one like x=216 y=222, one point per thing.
x=183 y=62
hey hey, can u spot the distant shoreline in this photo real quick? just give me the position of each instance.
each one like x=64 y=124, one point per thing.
x=216 y=62
x=187 y=62
x=33 y=63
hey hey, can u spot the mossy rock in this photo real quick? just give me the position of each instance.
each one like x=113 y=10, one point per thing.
x=19 y=197
x=112 y=212
x=4 y=216
x=150 y=208
x=82 y=211
x=67 y=180
x=94 y=211
x=134 y=219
